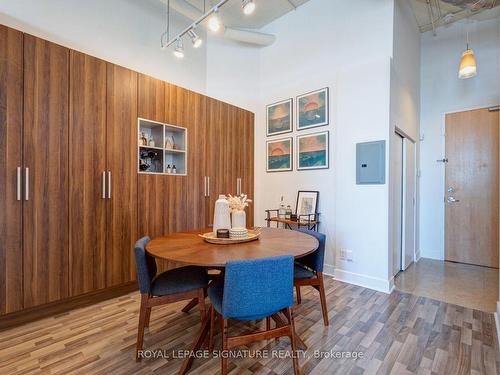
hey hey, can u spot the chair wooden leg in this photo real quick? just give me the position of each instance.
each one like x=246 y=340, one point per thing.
x=268 y=323
x=142 y=323
x=223 y=327
x=201 y=303
x=211 y=332
x=190 y=305
x=322 y=298
x=296 y=368
x=148 y=317
x=299 y=297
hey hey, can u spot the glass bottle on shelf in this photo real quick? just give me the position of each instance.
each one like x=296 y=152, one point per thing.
x=144 y=141
x=281 y=211
x=151 y=141
x=174 y=169
x=288 y=212
x=169 y=170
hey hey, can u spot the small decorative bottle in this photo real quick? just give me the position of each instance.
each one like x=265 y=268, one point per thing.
x=174 y=169
x=169 y=170
x=281 y=211
x=144 y=140
x=288 y=212
x=151 y=141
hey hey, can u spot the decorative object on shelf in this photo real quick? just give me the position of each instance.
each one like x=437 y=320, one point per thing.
x=288 y=212
x=252 y=235
x=312 y=151
x=222 y=214
x=282 y=210
x=174 y=169
x=293 y=217
x=222 y=233
x=169 y=169
x=307 y=204
x=151 y=141
x=237 y=205
x=312 y=109
x=279 y=155
x=169 y=142
x=143 y=139
x=279 y=117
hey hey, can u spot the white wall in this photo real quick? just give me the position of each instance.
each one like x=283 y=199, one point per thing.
x=443 y=92
x=124 y=32
x=346 y=46
x=404 y=109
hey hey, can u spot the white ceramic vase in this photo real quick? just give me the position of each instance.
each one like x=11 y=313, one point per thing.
x=222 y=214
x=239 y=219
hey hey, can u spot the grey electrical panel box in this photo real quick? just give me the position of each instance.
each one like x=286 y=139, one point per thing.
x=370 y=163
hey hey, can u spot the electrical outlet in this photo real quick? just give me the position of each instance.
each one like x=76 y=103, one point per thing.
x=343 y=254
x=349 y=256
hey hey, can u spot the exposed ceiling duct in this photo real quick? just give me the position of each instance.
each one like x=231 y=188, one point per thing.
x=238 y=35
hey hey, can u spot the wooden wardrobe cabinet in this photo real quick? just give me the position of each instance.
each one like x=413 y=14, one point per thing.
x=11 y=125
x=46 y=172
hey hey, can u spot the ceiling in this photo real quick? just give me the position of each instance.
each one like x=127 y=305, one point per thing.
x=431 y=14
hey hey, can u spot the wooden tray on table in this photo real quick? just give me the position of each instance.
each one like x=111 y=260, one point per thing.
x=253 y=234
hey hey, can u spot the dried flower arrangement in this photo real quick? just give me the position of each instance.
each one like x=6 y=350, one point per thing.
x=238 y=203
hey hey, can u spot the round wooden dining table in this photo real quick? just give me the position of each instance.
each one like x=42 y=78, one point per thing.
x=188 y=248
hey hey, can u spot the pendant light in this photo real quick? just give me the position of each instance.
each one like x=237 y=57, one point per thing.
x=468 y=67
x=248 y=6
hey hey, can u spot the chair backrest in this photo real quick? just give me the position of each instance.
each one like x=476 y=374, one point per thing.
x=145 y=265
x=257 y=287
x=315 y=260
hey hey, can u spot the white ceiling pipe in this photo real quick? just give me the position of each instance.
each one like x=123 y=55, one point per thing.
x=244 y=36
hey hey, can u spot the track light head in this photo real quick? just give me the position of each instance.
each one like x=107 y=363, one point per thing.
x=214 y=23
x=195 y=39
x=179 y=49
x=248 y=6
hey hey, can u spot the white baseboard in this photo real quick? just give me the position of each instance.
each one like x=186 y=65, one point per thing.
x=370 y=282
x=497 y=320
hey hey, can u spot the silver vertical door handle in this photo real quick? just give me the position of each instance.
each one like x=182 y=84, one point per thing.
x=205 y=186
x=103 y=184
x=18 y=192
x=27 y=184
x=109 y=184
x=208 y=186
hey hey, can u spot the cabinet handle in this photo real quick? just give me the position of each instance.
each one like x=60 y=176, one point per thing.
x=208 y=186
x=103 y=184
x=27 y=184
x=205 y=186
x=109 y=184
x=18 y=183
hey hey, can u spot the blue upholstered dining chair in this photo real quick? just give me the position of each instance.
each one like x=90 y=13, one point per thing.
x=254 y=289
x=308 y=271
x=170 y=286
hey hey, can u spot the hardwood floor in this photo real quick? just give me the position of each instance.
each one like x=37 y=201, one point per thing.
x=397 y=334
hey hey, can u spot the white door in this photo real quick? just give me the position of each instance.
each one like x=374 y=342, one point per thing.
x=409 y=201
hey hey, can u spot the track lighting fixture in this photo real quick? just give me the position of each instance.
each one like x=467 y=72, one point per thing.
x=179 y=49
x=195 y=39
x=214 y=23
x=248 y=6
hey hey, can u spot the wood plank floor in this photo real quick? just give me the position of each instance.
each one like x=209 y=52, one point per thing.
x=397 y=334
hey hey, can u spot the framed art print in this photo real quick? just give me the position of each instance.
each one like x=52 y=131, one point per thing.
x=279 y=117
x=313 y=151
x=279 y=155
x=307 y=203
x=313 y=109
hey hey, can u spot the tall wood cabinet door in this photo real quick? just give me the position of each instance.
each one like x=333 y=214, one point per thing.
x=247 y=161
x=152 y=189
x=232 y=149
x=87 y=164
x=215 y=154
x=121 y=138
x=46 y=159
x=11 y=124
x=176 y=113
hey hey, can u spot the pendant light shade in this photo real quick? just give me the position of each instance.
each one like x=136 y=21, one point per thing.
x=468 y=67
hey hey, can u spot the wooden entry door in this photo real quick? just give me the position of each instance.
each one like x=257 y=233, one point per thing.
x=471 y=187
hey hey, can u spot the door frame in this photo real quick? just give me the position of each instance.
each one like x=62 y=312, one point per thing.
x=443 y=174
x=404 y=136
